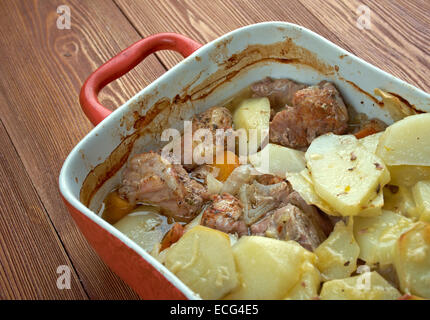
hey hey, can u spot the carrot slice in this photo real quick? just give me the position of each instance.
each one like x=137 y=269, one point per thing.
x=229 y=163
x=172 y=236
x=366 y=131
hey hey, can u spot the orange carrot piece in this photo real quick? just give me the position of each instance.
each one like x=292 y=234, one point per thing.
x=173 y=235
x=229 y=163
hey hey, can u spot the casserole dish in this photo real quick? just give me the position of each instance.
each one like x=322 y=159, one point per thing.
x=208 y=76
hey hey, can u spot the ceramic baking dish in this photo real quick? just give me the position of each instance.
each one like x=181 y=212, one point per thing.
x=208 y=76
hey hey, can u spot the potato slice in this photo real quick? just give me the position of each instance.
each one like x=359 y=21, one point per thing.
x=308 y=286
x=412 y=260
x=278 y=160
x=371 y=142
x=143 y=228
x=406 y=142
x=408 y=176
x=344 y=173
x=366 y=286
x=337 y=255
x=305 y=188
x=203 y=260
x=302 y=183
x=377 y=236
x=400 y=200
x=268 y=268
x=253 y=115
x=421 y=194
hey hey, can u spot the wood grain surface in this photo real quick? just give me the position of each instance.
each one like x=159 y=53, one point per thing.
x=42 y=69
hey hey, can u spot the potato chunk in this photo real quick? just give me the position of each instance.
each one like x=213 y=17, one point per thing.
x=412 y=260
x=269 y=268
x=337 y=255
x=308 y=286
x=144 y=228
x=203 y=260
x=406 y=142
x=371 y=142
x=302 y=183
x=253 y=115
x=345 y=174
x=400 y=200
x=278 y=160
x=408 y=176
x=421 y=194
x=366 y=286
x=377 y=236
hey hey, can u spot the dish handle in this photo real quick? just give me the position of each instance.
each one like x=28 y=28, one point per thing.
x=123 y=63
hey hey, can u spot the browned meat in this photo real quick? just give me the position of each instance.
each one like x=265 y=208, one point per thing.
x=315 y=110
x=289 y=223
x=225 y=214
x=318 y=218
x=149 y=178
x=279 y=91
x=268 y=179
x=212 y=119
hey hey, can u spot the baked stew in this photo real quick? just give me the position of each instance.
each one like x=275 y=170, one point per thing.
x=287 y=193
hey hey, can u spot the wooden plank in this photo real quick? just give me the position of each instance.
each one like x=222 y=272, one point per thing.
x=206 y=20
x=397 y=41
x=30 y=250
x=42 y=71
x=398 y=48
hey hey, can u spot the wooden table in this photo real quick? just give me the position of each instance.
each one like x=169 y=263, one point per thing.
x=42 y=69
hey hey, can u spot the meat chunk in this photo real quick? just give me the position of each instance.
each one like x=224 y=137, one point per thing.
x=149 y=178
x=289 y=223
x=315 y=110
x=212 y=119
x=268 y=179
x=279 y=91
x=225 y=214
x=323 y=223
x=258 y=199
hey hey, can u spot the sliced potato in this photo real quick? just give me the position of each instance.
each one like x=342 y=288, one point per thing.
x=374 y=208
x=421 y=194
x=371 y=142
x=308 y=286
x=406 y=142
x=278 y=160
x=408 y=176
x=344 y=173
x=300 y=183
x=268 y=268
x=377 y=236
x=366 y=286
x=143 y=228
x=412 y=260
x=400 y=200
x=203 y=260
x=253 y=115
x=337 y=255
